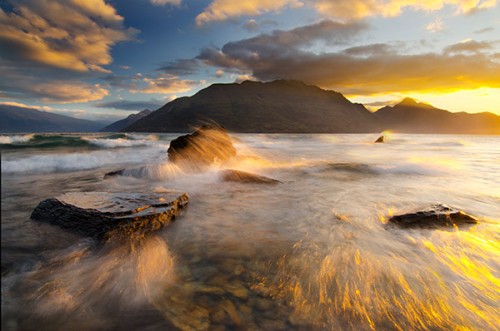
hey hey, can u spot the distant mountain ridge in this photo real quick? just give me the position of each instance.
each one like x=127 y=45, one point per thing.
x=285 y=106
x=123 y=123
x=410 y=116
x=14 y=119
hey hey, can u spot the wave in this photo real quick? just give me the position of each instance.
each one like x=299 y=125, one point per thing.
x=38 y=141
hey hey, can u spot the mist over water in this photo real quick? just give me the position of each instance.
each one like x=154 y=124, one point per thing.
x=310 y=253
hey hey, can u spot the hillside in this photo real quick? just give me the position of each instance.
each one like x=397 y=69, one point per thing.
x=123 y=123
x=278 y=106
x=20 y=119
x=410 y=116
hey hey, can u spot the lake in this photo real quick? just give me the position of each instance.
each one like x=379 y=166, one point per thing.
x=311 y=253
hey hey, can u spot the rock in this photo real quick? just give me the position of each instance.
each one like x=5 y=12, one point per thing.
x=114 y=173
x=438 y=215
x=207 y=145
x=231 y=175
x=102 y=214
x=380 y=139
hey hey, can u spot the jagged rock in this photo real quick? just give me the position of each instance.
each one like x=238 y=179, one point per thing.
x=208 y=144
x=103 y=215
x=438 y=215
x=231 y=175
x=380 y=139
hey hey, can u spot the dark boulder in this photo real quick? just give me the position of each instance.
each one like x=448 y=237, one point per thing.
x=437 y=215
x=207 y=145
x=380 y=139
x=231 y=175
x=110 y=215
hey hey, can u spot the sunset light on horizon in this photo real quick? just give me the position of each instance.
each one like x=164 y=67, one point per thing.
x=103 y=60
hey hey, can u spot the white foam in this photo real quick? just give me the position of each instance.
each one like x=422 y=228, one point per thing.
x=16 y=139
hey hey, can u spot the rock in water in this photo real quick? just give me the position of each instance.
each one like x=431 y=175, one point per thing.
x=437 y=215
x=208 y=144
x=103 y=215
x=380 y=139
x=231 y=175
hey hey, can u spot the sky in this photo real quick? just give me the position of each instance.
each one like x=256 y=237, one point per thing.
x=106 y=59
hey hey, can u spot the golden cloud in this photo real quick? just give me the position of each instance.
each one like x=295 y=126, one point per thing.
x=76 y=35
x=69 y=92
x=221 y=10
x=355 y=9
x=166 y=84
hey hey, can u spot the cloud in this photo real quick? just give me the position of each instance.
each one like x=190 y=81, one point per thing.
x=221 y=10
x=361 y=70
x=47 y=86
x=22 y=105
x=134 y=105
x=181 y=67
x=219 y=73
x=166 y=84
x=74 y=35
x=165 y=2
x=468 y=46
x=435 y=26
x=357 y=9
x=69 y=92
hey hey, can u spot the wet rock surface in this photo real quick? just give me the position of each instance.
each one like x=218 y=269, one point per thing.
x=437 y=215
x=103 y=214
x=380 y=139
x=208 y=144
x=231 y=175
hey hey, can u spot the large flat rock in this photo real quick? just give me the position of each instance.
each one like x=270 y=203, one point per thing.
x=103 y=214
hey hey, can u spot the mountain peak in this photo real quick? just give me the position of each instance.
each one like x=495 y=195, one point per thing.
x=409 y=102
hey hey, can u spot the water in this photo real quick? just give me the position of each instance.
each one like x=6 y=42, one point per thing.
x=311 y=253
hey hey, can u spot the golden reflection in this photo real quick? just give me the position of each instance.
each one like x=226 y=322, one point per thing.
x=454 y=285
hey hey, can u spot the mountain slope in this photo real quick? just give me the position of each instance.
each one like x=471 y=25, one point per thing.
x=123 y=123
x=410 y=116
x=279 y=106
x=20 y=119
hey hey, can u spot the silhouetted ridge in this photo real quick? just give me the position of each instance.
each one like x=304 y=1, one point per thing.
x=290 y=106
x=250 y=106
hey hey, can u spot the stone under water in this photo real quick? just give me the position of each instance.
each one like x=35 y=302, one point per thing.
x=231 y=175
x=103 y=215
x=437 y=215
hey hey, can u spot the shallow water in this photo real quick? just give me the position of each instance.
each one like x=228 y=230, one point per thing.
x=310 y=253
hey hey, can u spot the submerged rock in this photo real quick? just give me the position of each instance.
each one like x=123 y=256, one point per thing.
x=103 y=215
x=438 y=215
x=231 y=175
x=114 y=173
x=208 y=144
x=380 y=139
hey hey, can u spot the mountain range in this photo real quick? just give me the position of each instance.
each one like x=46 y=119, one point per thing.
x=281 y=106
x=284 y=106
x=14 y=119
x=123 y=123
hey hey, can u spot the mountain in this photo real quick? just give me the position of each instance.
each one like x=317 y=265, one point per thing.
x=278 y=106
x=410 y=116
x=294 y=107
x=20 y=119
x=123 y=123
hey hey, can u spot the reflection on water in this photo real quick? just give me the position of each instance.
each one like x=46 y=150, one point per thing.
x=310 y=253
